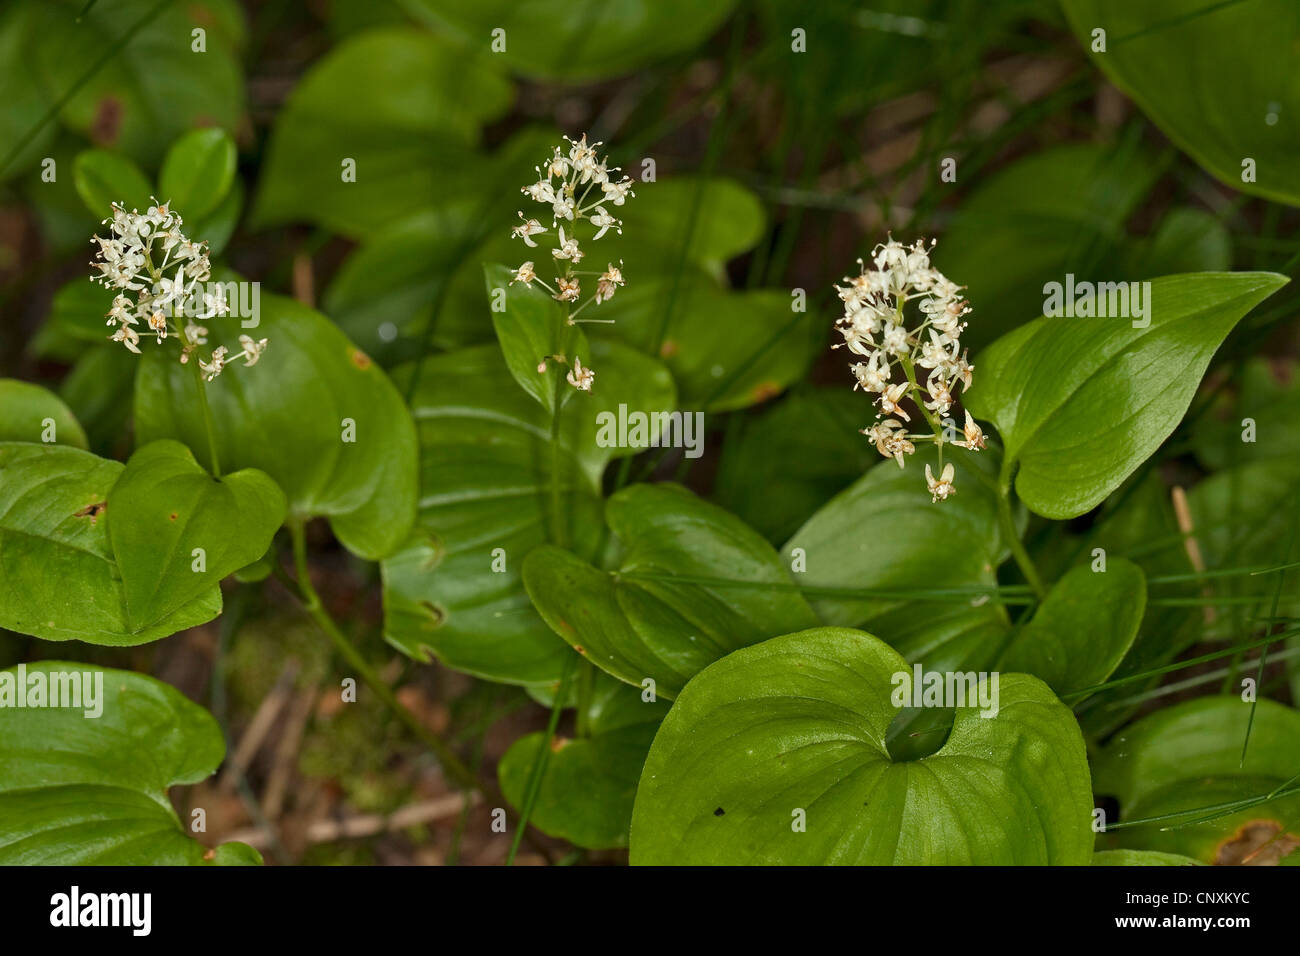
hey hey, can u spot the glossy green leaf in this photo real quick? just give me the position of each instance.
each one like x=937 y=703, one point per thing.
x=533 y=329
x=87 y=785
x=590 y=782
x=405 y=106
x=564 y=40
x=822 y=453
x=486 y=485
x=1081 y=402
x=1188 y=757
x=1169 y=55
x=104 y=177
x=315 y=413
x=60 y=579
x=176 y=531
x=31 y=413
x=1058 y=211
x=1083 y=627
x=885 y=532
x=650 y=618
x=798 y=723
x=197 y=172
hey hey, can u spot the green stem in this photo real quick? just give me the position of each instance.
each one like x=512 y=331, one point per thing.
x=1017 y=546
x=208 y=425
x=451 y=764
x=586 y=684
x=558 y=536
x=538 y=769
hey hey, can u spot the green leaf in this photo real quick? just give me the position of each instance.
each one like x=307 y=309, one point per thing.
x=1140 y=858
x=822 y=453
x=31 y=413
x=405 y=106
x=650 y=619
x=164 y=508
x=61 y=581
x=563 y=40
x=532 y=327
x=79 y=790
x=104 y=177
x=1054 y=212
x=1166 y=54
x=1188 y=757
x=1081 y=402
x=590 y=782
x=726 y=350
x=485 y=485
x=289 y=416
x=153 y=87
x=1083 y=627
x=799 y=722
x=1188 y=240
x=884 y=532
x=197 y=172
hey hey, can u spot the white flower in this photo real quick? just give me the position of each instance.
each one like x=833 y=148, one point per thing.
x=609 y=282
x=525 y=274
x=581 y=378
x=569 y=290
x=604 y=221
x=617 y=192
x=128 y=337
x=196 y=334
x=889 y=399
x=568 y=248
x=901 y=311
x=941 y=489
x=213 y=367
x=252 y=349
x=527 y=229
x=974 y=435
x=890 y=439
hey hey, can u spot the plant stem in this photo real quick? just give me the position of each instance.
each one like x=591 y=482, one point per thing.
x=451 y=764
x=538 y=770
x=208 y=425
x=1017 y=546
x=558 y=536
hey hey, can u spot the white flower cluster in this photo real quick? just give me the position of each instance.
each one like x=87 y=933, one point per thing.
x=566 y=184
x=877 y=327
x=141 y=251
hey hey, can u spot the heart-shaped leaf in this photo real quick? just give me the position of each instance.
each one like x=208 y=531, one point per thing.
x=197 y=172
x=1081 y=402
x=176 y=531
x=60 y=580
x=1167 y=54
x=885 y=532
x=1183 y=762
x=315 y=413
x=1083 y=627
x=86 y=784
x=455 y=588
x=776 y=754
x=590 y=781
x=659 y=616
x=30 y=413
